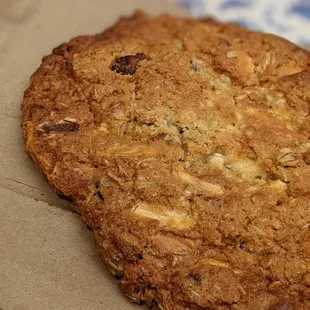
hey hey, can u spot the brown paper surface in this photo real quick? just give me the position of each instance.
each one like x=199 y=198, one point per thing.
x=47 y=257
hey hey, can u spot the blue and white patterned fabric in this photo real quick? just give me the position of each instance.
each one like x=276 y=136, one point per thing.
x=286 y=18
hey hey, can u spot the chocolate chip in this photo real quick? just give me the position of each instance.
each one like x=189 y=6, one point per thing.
x=140 y=256
x=195 y=277
x=128 y=64
x=64 y=127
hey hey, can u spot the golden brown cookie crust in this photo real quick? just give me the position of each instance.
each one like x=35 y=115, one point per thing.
x=184 y=145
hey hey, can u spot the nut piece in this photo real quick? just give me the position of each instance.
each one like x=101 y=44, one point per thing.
x=171 y=245
x=70 y=120
x=267 y=62
x=231 y=54
x=248 y=169
x=166 y=217
x=278 y=185
x=119 y=150
x=287 y=157
x=214 y=262
x=114 y=268
x=209 y=189
x=216 y=161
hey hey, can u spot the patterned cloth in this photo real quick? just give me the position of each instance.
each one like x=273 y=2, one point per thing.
x=287 y=18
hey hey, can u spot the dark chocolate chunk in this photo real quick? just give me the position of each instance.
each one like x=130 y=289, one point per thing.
x=64 y=127
x=128 y=64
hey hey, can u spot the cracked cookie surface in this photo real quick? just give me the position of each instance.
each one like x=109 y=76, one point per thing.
x=184 y=145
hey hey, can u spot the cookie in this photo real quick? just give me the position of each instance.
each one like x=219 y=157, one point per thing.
x=184 y=145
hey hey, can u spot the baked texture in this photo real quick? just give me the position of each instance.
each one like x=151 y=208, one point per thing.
x=184 y=145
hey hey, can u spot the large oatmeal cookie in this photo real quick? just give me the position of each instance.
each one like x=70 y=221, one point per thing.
x=184 y=145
